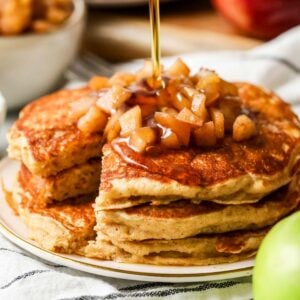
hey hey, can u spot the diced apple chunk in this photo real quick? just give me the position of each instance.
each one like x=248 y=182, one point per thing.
x=228 y=89
x=93 y=121
x=187 y=116
x=122 y=79
x=243 y=128
x=218 y=120
x=142 y=138
x=130 y=121
x=178 y=68
x=181 y=129
x=113 y=99
x=81 y=107
x=170 y=111
x=230 y=108
x=145 y=71
x=113 y=127
x=142 y=99
x=198 y=106
x=169 y=139
x=209 y=83
x=205 y=135
x=99 y=82
x=189 y=91
x=113 y=132
x=147 y=110
x=180 y=101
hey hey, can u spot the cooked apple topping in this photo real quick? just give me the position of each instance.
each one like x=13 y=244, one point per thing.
x=142 y=138
x=199 y=110
x=243 y=128
x=113 y=99
x=94 y=120
x=130 y=121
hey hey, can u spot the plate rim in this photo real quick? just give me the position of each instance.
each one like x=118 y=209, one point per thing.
x=91 y=268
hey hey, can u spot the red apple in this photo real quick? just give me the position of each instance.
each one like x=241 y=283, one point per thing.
x=261 y=18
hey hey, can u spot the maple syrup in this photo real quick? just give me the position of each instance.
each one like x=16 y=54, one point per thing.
x=156 y=80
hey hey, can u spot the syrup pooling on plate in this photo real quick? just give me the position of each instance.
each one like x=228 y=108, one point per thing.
x=187 y=110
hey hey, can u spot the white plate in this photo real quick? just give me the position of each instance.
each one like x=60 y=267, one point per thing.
x=15 y=231
x=119 y=2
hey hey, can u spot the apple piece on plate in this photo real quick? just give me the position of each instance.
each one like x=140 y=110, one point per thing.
x=262 y=19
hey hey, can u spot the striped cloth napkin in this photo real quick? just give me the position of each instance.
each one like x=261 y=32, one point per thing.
x=275 y=65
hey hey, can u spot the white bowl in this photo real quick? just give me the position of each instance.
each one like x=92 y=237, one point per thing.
x=32 y=64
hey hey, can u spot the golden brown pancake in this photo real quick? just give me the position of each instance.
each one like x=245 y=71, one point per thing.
x=46 y=138
x=182 y=219
x=230 y=173
x=62 y=227
x=200 y=250
x=79 y=180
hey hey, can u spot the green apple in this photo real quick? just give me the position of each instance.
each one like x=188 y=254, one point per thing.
x=277 y=269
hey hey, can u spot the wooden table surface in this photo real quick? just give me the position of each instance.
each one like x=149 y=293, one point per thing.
x=186 y=26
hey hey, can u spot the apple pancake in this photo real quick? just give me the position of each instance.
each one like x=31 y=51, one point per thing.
x=182 y=219
x=61 y=227
x=229 y=173
x=46 y=138
x=199 y=250
x=78 y=180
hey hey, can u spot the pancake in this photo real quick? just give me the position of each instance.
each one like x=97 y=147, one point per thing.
x=182 y=219
x=201 y=250
x=63 y=227
x=230 y=173
x=78 y=180
x=46 y=138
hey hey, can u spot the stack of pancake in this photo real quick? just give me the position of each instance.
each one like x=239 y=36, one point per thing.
x=59 y=171
x=200 y=206
x=189 y=206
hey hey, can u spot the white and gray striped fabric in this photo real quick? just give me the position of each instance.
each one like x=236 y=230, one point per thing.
x=276 y=65
x=25 y=277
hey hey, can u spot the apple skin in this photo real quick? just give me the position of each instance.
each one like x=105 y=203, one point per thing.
x=277 y=268
x=261 y=18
